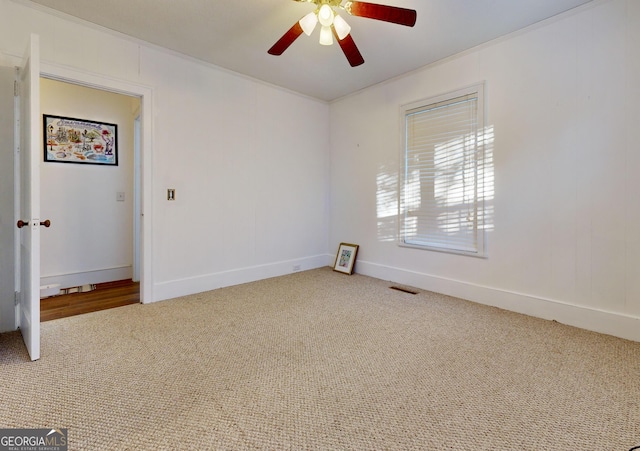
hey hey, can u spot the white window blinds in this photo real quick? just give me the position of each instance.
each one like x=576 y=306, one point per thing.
x=441 y=195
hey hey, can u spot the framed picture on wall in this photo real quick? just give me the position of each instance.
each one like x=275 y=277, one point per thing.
x=346 y=258
x=72 y=140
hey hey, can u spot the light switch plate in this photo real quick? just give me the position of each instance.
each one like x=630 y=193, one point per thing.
x=120 y=196
x=171 y=194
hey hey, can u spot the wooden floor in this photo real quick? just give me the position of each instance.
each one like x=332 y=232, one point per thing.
x=105 y=296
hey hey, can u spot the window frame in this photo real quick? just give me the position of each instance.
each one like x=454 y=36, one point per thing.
x=479 y=217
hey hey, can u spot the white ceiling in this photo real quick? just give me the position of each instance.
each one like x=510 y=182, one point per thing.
x=236 y=34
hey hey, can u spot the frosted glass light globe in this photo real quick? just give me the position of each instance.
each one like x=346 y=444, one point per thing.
x=325 y=15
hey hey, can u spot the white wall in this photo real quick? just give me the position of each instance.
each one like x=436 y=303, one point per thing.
x=251 y=188
x=91 y=238
x=7 y=220
x=563 y=102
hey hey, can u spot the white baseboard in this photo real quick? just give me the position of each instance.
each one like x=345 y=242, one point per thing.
x=597 y=320
x=88 y=277
x=183 y=287
x=601 y=321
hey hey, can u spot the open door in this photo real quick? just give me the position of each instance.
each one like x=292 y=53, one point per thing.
x=28 y=197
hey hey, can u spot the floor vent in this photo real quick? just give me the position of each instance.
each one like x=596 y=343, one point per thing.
x=404 y=290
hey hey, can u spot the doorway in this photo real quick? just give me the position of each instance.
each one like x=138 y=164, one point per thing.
x=92 y=207
x=27 y=154
x=139 y=110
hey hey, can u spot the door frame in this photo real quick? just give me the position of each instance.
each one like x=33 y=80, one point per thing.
x=145 y=175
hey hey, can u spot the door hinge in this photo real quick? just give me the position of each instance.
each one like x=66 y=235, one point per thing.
x=16 y=90
x=16 y=297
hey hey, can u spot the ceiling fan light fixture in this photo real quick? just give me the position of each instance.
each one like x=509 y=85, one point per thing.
x=326 y=36
x=341 y=26
x=334 y=25
x=308 y=23
x=325 y=15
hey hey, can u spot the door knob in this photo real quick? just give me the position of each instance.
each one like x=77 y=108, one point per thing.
x=22 y=223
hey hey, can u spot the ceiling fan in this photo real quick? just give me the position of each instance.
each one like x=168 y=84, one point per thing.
x=335 y=26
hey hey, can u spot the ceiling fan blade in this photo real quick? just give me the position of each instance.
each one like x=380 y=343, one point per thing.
x=349 y=49
x=286 y=40
x=393 y=14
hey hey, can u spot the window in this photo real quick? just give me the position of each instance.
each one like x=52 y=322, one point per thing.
x=441 y=192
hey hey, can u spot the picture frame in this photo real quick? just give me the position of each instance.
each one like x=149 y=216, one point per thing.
x=346 y=258
x=80 y=141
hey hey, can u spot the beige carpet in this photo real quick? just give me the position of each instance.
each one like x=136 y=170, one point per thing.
x=322 y=360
